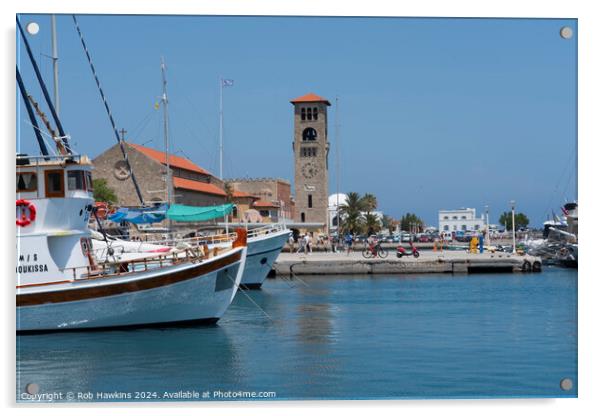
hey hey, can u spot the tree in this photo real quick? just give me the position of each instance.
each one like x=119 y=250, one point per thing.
x=351 y=214
x=412 y=223
x=520 y=220
x=389 y=223
x=371 y=223
x=102 y=191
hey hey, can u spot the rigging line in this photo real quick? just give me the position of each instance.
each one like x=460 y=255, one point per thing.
x=31 y=115
x=248 y=297
x=559 y=180
x=141 y=126
x=43 y=134
x=104 y=100
x=194 y=136
x=44 y=89
x=196 y=109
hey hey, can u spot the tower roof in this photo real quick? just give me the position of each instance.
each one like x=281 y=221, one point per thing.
x=310 y=98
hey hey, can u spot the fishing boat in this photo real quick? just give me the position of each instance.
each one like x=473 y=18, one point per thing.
x=61 y=285
x=264 y=244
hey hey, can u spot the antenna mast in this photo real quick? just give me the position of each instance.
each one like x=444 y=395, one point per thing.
x=166 y=131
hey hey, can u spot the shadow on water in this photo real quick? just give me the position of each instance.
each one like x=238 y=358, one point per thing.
x=134 y=360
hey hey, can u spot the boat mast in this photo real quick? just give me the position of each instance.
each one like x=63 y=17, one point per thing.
x=221 y=128
x=338 y=171
x=55 y=63
x=166 y=132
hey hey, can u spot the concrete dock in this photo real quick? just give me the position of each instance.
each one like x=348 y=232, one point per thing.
x=428 y=262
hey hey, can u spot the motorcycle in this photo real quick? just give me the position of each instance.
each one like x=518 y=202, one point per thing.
x=403 y=252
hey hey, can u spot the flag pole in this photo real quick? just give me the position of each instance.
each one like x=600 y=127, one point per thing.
x=221 y=127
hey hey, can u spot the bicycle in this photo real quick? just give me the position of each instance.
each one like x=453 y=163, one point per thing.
x=375 y=251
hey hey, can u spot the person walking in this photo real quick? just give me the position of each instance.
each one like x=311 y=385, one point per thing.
x=301 y=242
x=348 y=242
x=291 y=243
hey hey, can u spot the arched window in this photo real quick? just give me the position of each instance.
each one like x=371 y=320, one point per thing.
x=303 y=114
x=310 y=201
x=315 y=113
x=310 y=134
x=234 y=212
x=303 y=217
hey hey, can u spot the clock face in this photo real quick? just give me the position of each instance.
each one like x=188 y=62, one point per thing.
x=120 y=170
x=309 y=170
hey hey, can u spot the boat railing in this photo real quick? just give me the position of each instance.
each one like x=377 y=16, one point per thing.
x=216 y=239
x=127 y=267
x=45 y=159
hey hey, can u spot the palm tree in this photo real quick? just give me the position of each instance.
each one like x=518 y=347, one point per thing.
x=351 y=213
x=372 y=223
x=369 y=204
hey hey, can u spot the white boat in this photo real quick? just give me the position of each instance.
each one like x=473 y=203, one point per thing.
x=264 y=244
x=62 y=286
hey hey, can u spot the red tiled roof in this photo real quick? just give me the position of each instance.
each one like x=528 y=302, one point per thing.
x=175 y=161
x=264 y=204
x=310 y=98
x=240 y=194
x=207 y=188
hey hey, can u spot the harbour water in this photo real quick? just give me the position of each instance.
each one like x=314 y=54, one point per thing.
x=335 y=337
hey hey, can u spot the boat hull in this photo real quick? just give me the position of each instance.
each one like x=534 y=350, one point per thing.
x=263 y=250
x=188 y=293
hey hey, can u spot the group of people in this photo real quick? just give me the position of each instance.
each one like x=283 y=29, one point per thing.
x=307 y=243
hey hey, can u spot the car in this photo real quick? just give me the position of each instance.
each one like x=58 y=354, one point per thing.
x=424 y=238
x=406 y=237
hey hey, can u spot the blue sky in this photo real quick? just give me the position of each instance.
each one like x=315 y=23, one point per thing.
x=434 y=113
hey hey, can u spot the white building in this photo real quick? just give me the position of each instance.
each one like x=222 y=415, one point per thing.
x=463 y=219
x=341 y=200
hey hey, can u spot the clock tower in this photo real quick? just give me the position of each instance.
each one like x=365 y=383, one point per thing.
x=310 y=147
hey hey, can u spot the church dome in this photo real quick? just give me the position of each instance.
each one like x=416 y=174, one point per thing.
x=332 y=200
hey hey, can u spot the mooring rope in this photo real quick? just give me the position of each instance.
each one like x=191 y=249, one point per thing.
x=104 y=100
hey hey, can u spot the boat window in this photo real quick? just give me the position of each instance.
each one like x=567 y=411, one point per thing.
x=27 y=182
x=75 y=180
x=55 y=185
x=89 y=183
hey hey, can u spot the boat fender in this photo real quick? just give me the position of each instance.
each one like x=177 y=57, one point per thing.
x=536 y=266
x=25 y=220
x=526 y=266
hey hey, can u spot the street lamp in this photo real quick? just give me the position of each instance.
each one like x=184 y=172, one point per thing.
x=512 y=205
x=487 y=242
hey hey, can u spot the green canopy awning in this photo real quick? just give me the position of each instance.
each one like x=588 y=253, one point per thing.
x=187 y=213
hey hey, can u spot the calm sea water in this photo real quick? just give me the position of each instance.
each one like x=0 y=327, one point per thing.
x=337 y=337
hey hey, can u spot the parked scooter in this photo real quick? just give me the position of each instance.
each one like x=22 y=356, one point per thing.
x=403 y=252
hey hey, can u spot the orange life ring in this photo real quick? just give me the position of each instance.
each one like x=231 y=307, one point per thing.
x=25 y=220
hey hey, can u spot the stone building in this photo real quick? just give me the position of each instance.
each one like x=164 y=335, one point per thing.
x=191 y=184
x=311 y=147
x=273 y=196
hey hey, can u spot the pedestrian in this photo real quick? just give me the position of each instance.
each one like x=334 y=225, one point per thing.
x=306 y=244
x=291 y=243
x=301 y=242
x=348 y=242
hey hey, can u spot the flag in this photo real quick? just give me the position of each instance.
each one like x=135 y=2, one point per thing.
x=227 y=82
